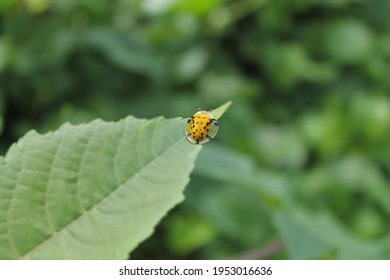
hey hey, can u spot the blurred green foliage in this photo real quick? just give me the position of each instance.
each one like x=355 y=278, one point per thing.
x=303 y=153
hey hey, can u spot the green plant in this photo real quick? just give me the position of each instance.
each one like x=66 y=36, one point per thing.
x=92 y=191
x=307 y=141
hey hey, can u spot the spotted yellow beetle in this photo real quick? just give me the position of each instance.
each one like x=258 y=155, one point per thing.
x=201 y=127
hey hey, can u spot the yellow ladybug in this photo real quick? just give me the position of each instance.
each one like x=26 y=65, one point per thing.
x=201 y=127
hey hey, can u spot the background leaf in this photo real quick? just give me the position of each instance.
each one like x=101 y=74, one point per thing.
x=320 y=236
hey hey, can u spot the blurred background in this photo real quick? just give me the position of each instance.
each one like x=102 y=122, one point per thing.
x=300 y=168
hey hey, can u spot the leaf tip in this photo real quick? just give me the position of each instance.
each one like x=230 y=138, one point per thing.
x=218 y=112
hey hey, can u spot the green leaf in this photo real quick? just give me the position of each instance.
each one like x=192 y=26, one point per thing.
x=320 y=235
x=91 y=191
x=124 y=51
x=222 y=164
x=218 y=112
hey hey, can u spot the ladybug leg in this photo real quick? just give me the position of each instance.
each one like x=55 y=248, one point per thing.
x=215 y=122
x=209 y=137
x=197 y=141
